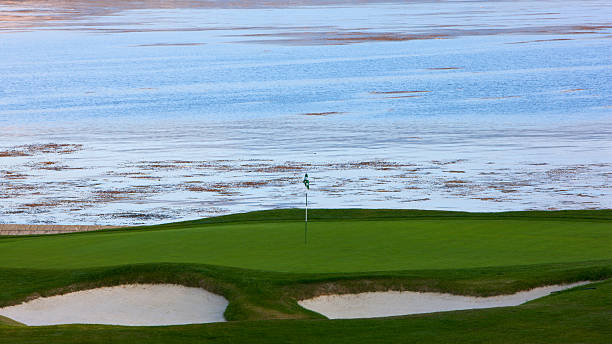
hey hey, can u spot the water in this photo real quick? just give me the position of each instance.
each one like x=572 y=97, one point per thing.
x=209 y=108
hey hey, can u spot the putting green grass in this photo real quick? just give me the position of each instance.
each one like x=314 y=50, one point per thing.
x=333 y=246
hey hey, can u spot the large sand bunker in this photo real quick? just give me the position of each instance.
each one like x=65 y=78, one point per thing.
x=136 y=304
x=390 y=303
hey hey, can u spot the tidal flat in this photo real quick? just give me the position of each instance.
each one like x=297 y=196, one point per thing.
x=125 y=113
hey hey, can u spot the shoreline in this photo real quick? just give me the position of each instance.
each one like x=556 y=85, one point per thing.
x=20 y=229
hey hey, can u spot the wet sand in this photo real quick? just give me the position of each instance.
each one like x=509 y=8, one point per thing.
x=138 y=192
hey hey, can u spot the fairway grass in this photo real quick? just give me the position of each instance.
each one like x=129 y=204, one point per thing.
x=259 y=263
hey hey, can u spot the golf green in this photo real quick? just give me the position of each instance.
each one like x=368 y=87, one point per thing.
x=333 y=246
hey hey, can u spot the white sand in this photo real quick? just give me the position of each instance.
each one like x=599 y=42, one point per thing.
x=136 y=304
x=390 y=303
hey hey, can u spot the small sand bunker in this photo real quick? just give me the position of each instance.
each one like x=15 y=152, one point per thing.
x=132 y=305
x=390 y=303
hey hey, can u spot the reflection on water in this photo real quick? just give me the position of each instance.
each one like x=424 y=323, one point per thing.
x=124 y=113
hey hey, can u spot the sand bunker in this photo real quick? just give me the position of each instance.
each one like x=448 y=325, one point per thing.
x=390 y=303
x=136 y=304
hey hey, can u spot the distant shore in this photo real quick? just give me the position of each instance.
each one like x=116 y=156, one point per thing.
x=16 y=229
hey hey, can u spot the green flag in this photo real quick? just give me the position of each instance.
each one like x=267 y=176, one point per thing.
x=306 y=182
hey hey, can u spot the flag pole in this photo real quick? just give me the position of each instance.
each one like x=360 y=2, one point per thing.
x=307 y=185
x=306 y=220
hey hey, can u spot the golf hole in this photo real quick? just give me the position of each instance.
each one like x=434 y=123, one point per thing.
x=130 y=305
x=393 y=303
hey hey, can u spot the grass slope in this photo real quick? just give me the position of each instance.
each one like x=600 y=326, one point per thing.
x=8 y=321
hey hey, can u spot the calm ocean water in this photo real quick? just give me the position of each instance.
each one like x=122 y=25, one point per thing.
x=123 y=115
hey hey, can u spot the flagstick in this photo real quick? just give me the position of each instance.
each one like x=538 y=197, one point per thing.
x=306 y=222
x=307 y=185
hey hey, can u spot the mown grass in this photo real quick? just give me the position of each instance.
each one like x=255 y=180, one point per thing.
x=348 y=251
x=333 y=246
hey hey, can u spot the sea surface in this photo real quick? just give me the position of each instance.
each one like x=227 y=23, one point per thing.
x=121 y=113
